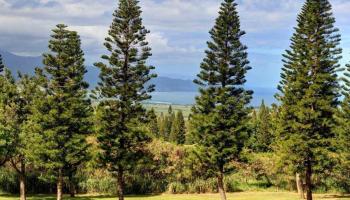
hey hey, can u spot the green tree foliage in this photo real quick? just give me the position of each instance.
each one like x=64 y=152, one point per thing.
x=343 y=135
x=61 y=119
x=2 y=66
x=122 y=90
x=221 y=112
x=168 y=123
x=165 y=124
x=27 y=91
x=153 y=123
x=161 y=125
x=309 y=92
x=178 y=129
x=15 y=111
x=172 y=126
x=275 y=117
x=262 y=136
x=8 y=125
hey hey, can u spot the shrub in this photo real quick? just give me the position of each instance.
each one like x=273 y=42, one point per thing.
x=105 y=185
x=231 y=184
x=177 y=188
x=8 y=181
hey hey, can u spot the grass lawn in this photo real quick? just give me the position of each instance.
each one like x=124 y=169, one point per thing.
x=235 y=196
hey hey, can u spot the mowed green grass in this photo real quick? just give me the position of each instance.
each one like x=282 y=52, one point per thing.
x=235 y=196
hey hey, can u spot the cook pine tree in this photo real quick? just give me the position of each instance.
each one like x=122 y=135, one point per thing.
x=309 y=92
x=343 y=132
x=219 y=120
x=178 y=129
x=153 y=123
x=61 y=119
x=121 y=91
x=262 y=136
x=161 y=124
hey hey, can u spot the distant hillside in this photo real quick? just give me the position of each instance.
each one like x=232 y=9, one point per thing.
x=23 y=64
x=165 y=84
x=171 y=90
x=27 y=65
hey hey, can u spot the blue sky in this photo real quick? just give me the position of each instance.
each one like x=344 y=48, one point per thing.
x=179 y=30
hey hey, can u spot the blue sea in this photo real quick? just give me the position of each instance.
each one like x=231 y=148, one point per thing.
x=188 y=98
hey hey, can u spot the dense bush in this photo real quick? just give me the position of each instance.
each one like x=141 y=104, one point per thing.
x=105 y=185
x=8 y=181
x=35 y=184
x=171 y=169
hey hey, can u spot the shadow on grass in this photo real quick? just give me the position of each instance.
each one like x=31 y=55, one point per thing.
x=336 y=196
x=53 y=197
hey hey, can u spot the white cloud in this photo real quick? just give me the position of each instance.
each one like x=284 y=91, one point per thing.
x=267 y=15
x=91 y=33
x=91 y=19
x=179 y=28
x=180 y=15
x=160 y=45
x=3 y=3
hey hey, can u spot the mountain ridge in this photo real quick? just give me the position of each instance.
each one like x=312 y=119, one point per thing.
x=27 y=65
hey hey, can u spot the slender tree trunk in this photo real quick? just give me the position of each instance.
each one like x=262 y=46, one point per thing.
x=308 y=181
x=121 y=184
x=300 y=186
x=22 y=181
x=71 y=186
x=59 y=185
x=221 y=186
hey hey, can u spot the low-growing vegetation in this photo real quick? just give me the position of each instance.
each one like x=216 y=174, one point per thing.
x=230 y=196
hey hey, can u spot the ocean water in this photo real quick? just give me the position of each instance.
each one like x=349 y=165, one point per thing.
x=181 y=98
x=188 y=98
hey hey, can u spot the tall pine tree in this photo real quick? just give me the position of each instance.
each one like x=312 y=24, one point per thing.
x=343 y=133
x=309 y=92
x=61 y=119
x=178 y=129
x=122 y=90
x=262 y=136
x=221 y=112
x=153 y=123
x=168 y=123
x=162 y=126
